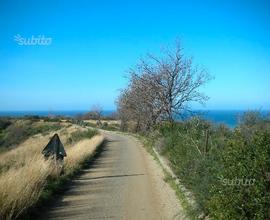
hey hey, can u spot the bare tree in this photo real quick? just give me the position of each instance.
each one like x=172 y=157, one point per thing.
x=123 y=110
x=138 y=103
x=161 y=88
x=96 y=112
x=178 y=81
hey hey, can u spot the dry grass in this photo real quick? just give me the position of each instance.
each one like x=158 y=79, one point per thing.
x=21 y=188
x=80 y=152
x=110 y=122
x=24 y=172
x=21 y=155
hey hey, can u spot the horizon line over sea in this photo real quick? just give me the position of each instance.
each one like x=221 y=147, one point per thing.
x=229 y=117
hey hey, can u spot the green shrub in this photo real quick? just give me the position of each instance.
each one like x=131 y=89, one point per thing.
x=4 y=123
x=243 y=191
x=79 y=135
x=229 y=175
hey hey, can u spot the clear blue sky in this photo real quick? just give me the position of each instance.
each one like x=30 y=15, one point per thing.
x=95 y=42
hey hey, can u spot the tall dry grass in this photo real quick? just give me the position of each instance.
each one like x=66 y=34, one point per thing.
x=80 y=152
x=21 y=155
x=21 y=187
x=26 y=173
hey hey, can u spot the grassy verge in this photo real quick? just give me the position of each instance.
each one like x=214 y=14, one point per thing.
x=190 y=211
x=57 y=186
x=35 y=179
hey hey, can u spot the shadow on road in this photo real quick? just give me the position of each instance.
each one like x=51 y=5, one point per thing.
x=89 y=183
x=114 y=176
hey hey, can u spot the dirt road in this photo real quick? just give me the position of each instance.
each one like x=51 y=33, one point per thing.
x=124 y=182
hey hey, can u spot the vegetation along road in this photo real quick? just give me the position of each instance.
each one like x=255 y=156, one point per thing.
x=124 y=182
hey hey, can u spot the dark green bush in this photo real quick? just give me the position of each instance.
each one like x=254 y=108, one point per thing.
x=229 y=175
x=79 y=135
x=4 y=123
x=243 y=192
x=52 y=119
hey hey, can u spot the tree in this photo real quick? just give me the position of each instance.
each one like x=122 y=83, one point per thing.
x=138 y=103
x=96 y=111
x=161 y=88
x=177 y=79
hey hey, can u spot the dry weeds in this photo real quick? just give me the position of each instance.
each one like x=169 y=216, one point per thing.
x=24 y=172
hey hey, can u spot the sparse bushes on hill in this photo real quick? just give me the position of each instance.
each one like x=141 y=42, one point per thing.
x=53 y=119
x=16 y=131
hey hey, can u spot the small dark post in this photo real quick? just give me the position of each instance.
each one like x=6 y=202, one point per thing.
x=55 y=150
x=206 y=141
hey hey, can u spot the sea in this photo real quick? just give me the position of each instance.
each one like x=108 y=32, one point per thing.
x=231 y=118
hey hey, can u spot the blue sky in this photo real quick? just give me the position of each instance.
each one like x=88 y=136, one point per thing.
x=94 y=43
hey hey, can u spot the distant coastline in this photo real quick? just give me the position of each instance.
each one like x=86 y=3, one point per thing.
x=67 y=113
x=229 y=117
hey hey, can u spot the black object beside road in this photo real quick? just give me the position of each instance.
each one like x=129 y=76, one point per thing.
x=54 y=148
